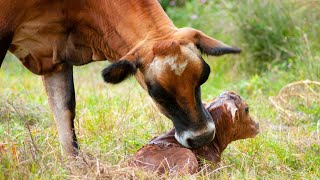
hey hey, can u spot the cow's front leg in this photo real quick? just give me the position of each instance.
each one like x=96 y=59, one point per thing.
x=60 y=90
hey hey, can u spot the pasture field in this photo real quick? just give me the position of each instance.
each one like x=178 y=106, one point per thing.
x=113 y=121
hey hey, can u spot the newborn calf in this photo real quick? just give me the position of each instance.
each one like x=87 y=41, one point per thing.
x=164 y=154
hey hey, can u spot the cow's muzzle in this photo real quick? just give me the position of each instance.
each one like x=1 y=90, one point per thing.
x=196 y=139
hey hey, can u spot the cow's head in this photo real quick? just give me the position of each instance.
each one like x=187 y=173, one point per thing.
x=172 y=71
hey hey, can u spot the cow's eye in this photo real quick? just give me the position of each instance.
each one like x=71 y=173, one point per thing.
x=246 y=109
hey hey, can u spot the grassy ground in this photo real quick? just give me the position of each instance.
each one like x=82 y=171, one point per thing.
x=112 y=122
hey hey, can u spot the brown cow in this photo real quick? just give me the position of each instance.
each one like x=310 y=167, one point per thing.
x=50 y=37
x=164 y=154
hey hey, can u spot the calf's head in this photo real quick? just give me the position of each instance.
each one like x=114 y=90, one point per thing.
x=172 y=70
x=231 y=113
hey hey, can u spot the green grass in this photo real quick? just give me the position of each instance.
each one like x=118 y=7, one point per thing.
x=113 y=121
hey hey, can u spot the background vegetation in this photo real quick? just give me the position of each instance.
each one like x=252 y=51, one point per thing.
x=280 y=42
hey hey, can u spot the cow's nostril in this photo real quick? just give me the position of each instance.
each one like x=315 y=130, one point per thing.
x=191 y=143
x=199 y=141
x=195 y=139
x=195 y=143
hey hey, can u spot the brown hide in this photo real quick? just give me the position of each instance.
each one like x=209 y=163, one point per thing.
x=165 y=154
x=48 y=33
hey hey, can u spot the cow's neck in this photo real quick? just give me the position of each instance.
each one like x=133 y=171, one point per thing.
x=116 y=27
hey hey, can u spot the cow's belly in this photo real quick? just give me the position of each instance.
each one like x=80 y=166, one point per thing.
x=43 y=42
x=38 y=56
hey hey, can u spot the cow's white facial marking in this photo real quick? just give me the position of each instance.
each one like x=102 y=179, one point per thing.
x=190 y=51
x=176 y=64
x=161 y=63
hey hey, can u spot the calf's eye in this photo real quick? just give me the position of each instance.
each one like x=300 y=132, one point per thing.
x=246 y=109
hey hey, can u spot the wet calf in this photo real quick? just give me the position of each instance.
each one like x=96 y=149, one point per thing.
x=233 y=122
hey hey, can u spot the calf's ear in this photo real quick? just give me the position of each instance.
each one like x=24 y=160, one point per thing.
x=232 y=108
x=119 y=71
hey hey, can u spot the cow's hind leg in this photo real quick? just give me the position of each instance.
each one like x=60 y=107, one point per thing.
x=5 y=41
x=60 y=90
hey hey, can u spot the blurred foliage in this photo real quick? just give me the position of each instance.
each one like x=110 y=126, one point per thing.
x=272 y=34
x=203 y=15
x=166 y=3
x=267 y=30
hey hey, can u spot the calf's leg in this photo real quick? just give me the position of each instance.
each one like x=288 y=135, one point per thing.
x=60 y=90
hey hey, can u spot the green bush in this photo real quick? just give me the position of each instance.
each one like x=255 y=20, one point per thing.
x=268 y=32
x=307 y=18
x=211 y=17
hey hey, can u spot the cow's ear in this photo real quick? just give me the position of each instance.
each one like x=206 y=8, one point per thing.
x=119 y=71
x=214 y=47
x=208 y=45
